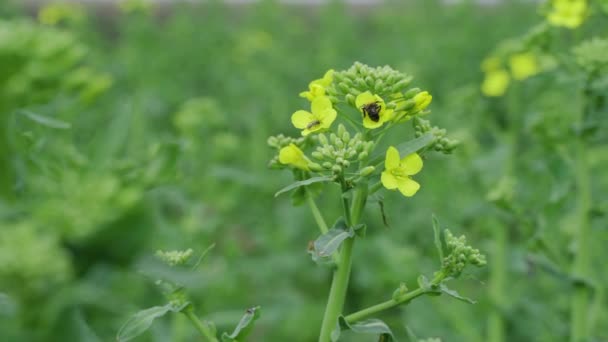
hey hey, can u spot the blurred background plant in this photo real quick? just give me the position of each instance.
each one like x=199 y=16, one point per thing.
x=142 y=127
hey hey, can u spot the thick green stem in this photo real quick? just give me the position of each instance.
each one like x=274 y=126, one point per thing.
x=496 y=326
x=579 y=329
x=339 y=285
x=582 y=261
x=202 y=328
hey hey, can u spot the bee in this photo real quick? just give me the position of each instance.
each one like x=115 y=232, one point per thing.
x=313 y=124
x=372 y=110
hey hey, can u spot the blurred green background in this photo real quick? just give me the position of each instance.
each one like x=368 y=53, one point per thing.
x=128 y=129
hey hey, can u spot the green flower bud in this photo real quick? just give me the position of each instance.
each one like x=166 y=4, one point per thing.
x=327 y=165
x=366 y=171
x=317 y=155
x=315 y=167
x=336 y=169
x=323 y=139
x=362 y=155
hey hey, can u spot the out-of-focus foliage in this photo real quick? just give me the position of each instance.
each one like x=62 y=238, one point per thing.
x=144 y=128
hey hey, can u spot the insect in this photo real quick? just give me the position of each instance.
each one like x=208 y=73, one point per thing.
x=313 y=124
x=372 y=110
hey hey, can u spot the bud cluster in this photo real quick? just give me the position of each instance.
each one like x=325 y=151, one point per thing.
x=174 y=258
x=337 y=152
x=591 y=54
x=360 y=78
x=460 y=255
x=442 y=143
x=280 y=141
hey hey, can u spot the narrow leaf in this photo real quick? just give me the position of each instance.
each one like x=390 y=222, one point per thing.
x=370 y=326
x=452 y=293
x=437 y=237
x=244 y=327
x=304 y=183
x=141 y=321
x=328 y=243
x=45 y=120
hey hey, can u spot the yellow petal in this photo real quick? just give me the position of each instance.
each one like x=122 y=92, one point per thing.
x=292 y=155
x=523 y=65
x=495 y=83
x=327 y=78
x=301 y=119
x=392 y=158
x=320 y=104
x=388 y=180
x=371 y=124
x=412 y=164
x=364 y=98
x=327 y=117
x=423 y=100
x=408 y=187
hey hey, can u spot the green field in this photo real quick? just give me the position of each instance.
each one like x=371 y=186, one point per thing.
x=133 y=129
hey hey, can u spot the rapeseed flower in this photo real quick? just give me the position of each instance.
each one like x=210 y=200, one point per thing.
x=523 y=65
x=317 y=87
x=374 y=110
x=292 y=155
x=397 y=172
x=567 y=13
x=321 y=116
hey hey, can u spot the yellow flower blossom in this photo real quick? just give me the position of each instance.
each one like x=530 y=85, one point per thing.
x=292 y=155
x=374 y=110
x=397 y=172
x=317 y=87
x=495 y=83
x=523 y=65
x=567 y=13
x=321 y=117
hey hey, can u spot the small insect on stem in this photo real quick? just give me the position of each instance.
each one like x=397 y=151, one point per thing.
x=313 y=124
x=372 y=110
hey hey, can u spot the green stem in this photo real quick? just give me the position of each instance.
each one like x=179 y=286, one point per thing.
x=496 y=326
x=202 y=328
x=339 y=285
x=579 y=329
x=581 y=298
x=372 y=310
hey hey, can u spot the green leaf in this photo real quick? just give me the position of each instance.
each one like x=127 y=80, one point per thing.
x=244 y=327
x=304 y=183
x=408 y=147
x=437 y=237
x=452 y=293
x=370 y=326
x=141 y=321
x=45 y=120
x=328 y=243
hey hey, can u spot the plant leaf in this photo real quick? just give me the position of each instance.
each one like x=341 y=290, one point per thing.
x=328 y=243
x=437 y=237
x=142 y=320
x=244 y=327
x=304 y=183
x=409 y=147
x=45 y=120
x=369 y=326
x=452 y=293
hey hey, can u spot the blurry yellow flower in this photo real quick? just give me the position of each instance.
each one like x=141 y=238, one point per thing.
x=292 y=155
x=374 y=110
x=397 y=171
x=495 y=83
x=491 y=64
x=317 y=88
x=423 y=100
x=322 y=116
x=567 y=13
x=54 y=13
x=523 y=65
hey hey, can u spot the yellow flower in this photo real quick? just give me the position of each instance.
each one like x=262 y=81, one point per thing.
x=567 y=13
x=495 y=83
x=423 y=100
x=292 y=155
x=374 y=110
x=523 y=65
x=397 y=171
x=322 y=116
x=317 y=87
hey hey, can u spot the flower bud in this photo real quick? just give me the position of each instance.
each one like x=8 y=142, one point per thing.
x=323 y=139
x=327 y=165
x=362 y=155
x=317 y=155
x=315 y=167
x=411 y=93
x=366 y=171
x=336 y=169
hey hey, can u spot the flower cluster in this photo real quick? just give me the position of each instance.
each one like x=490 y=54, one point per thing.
x=567 y=13
x=174 y=258
x=460 y=255
x=371 y=100
x=498 y=71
